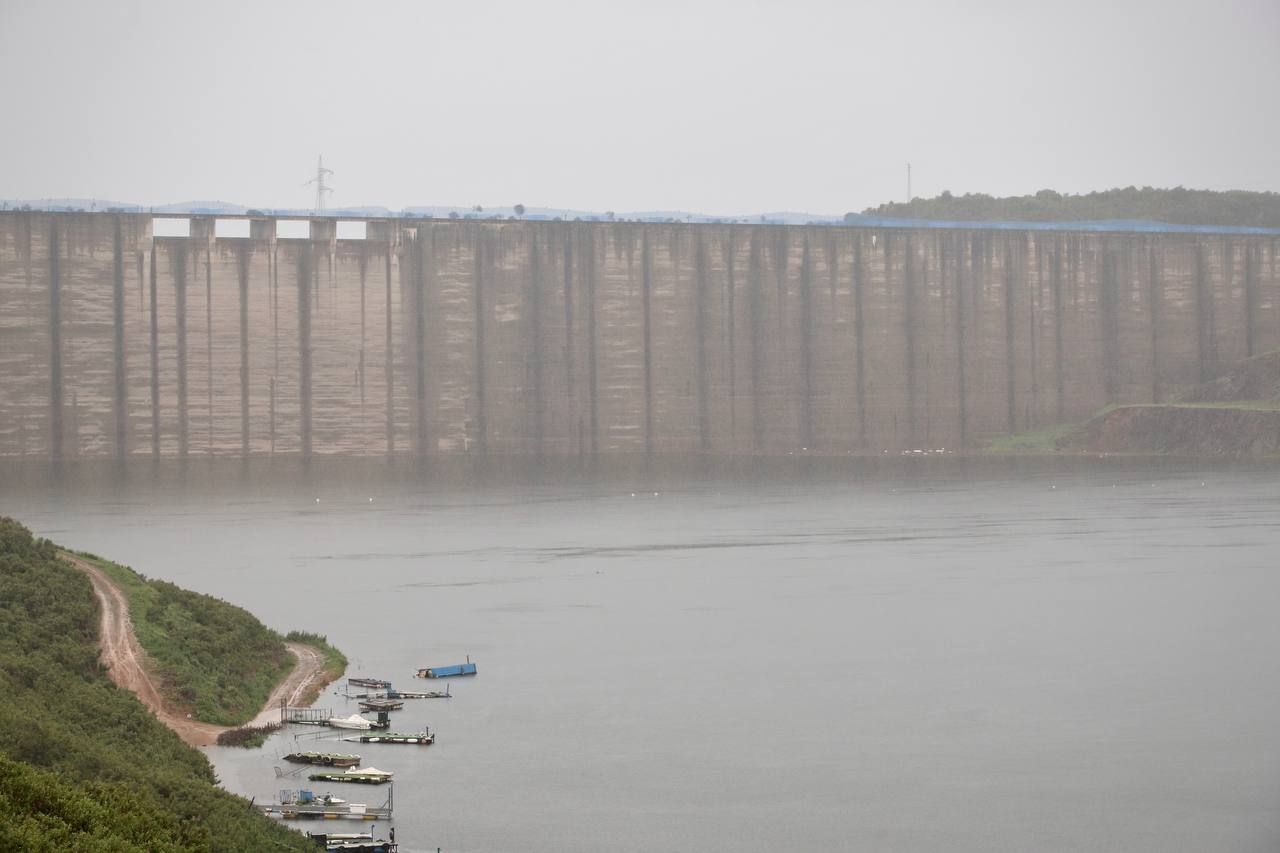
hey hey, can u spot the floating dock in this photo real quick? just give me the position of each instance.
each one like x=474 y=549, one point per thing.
x=391 y=693
x=303 y=805
x=375 y=683
x=371 y=845
x=427 y=694
x=381 y=704
x=420 y=738
x=353 y=842
x=467 y=668
x=326 y=759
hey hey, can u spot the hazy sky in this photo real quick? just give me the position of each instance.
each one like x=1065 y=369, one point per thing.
x=728 y=108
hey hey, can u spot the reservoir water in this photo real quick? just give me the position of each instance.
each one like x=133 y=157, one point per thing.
x=932 y=655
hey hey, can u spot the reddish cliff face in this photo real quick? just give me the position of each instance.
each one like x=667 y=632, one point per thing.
x=579 y=338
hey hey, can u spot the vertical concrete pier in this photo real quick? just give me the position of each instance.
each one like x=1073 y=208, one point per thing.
x=559 y=339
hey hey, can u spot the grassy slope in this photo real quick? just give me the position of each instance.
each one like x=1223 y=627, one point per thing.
x=213 y=657
x=1033 y=441
x=83 y=765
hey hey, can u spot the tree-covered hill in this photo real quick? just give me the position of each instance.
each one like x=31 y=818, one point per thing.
x=1180 y=206
x=83 y=765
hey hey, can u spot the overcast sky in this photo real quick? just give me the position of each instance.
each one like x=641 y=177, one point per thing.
x=724 y=108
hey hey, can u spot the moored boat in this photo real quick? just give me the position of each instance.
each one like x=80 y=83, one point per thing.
x=376 y=683
x=355 y=721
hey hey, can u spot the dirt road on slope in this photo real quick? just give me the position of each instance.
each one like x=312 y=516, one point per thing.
x=305 y=673
x=127 y=664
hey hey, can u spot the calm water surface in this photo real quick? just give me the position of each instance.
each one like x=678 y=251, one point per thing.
x=941 y=657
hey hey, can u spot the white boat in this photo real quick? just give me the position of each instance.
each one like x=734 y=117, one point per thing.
x=355 y=721
x=371 y=771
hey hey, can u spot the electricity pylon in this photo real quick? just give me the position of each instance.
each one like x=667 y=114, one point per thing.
x=321 y=187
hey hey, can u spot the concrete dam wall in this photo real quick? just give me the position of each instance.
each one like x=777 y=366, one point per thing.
x=581 y=338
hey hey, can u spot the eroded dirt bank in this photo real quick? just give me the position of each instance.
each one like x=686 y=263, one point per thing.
x=128 y=666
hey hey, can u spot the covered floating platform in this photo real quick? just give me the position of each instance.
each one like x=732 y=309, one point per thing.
x=467 y=668
x=363 y=776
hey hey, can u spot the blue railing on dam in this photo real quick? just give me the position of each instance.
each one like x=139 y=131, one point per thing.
x=853 y=220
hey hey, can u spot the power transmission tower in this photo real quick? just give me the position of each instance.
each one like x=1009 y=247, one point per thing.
x=321 y=187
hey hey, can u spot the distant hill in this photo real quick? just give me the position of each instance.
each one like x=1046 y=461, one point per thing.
x=1236 y=208
x=223 y=208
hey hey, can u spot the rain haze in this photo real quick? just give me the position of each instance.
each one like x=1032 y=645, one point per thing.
x=721 y=108
x=621 y=457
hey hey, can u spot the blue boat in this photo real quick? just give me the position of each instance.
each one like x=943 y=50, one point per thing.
x=467 y=668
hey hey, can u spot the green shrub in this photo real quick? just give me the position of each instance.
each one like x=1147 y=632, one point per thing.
x=83 y=765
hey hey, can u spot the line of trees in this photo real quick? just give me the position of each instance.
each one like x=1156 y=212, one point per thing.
x=1180 y=206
